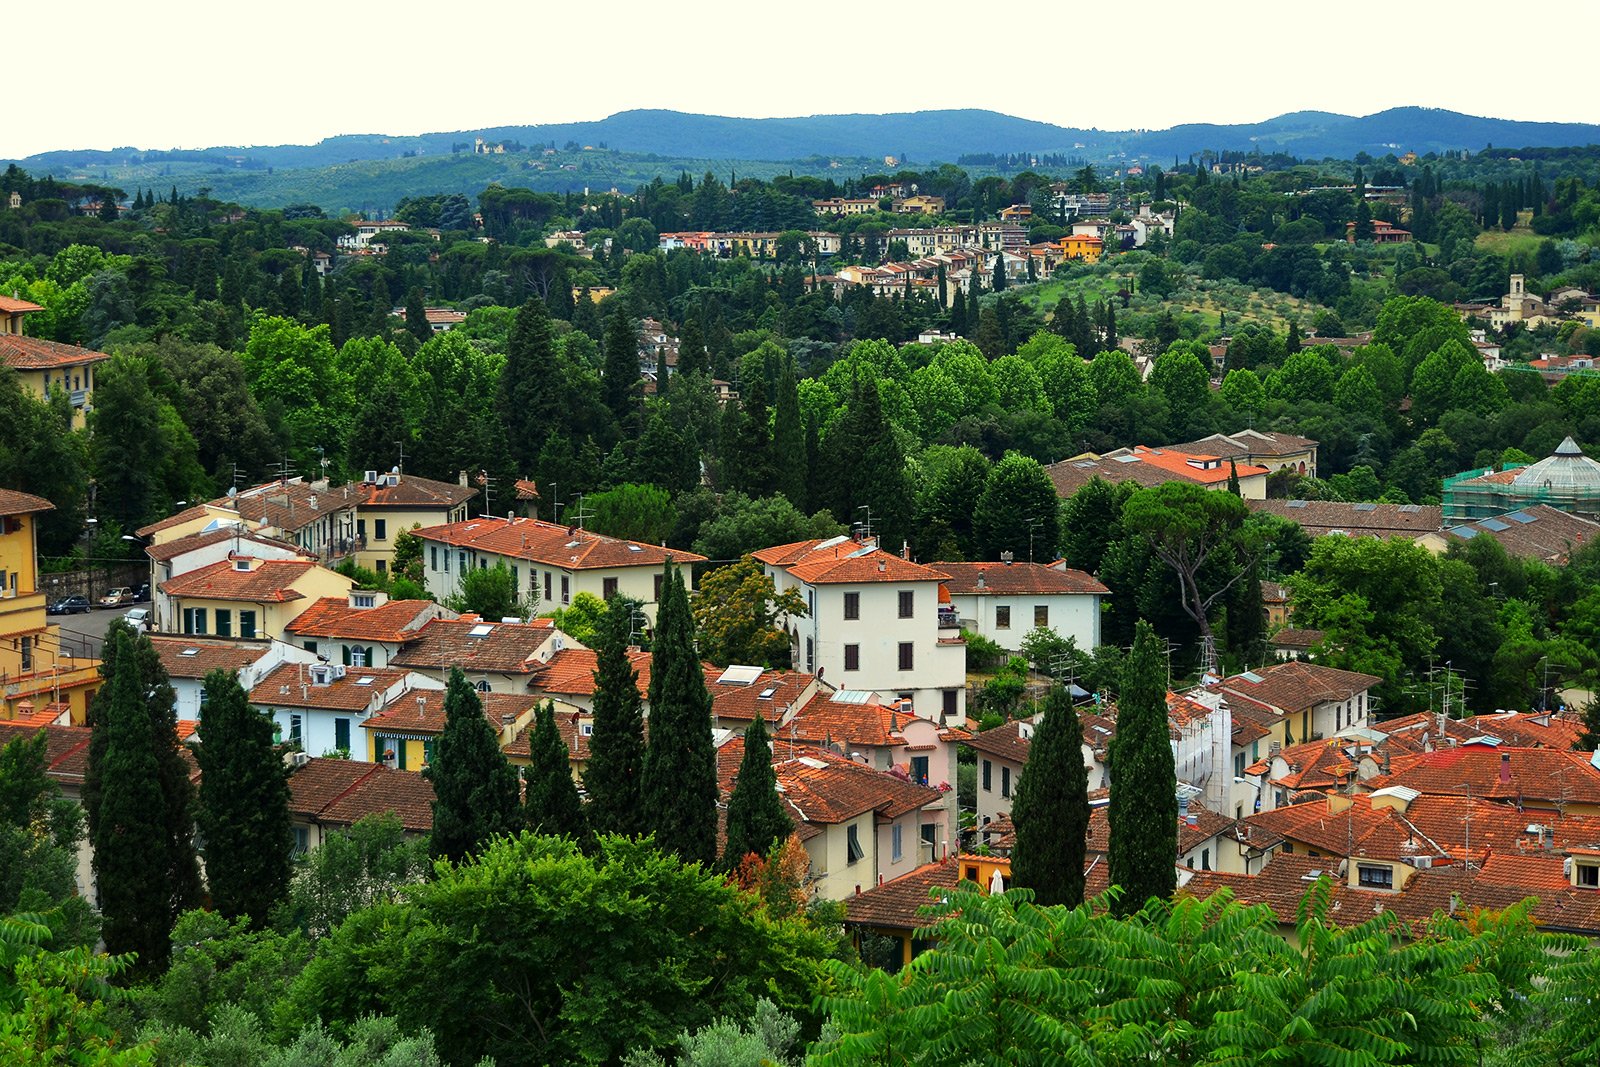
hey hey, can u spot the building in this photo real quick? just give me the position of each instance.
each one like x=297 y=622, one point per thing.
x=317 y=706
x=893 y=908
x=839 y=206
x=550 y=563
x=1080 y=246
x=1298 y=700
x=221 y=541
x=36 y=673
x=1156 y=466
x=875 y=622
x=1006 y=601
x=362 y=629
x=187 y=661
x=329 y=795
x=1383 y=233
x=409 y=726
x=1567 y=479
x=1541 y=533
x=246 y=596
x=1258 y=448
x=389 y=504
x=1531 y=779
x=494 y=656
x=568 y=679
x=439 y=320
x=317 y=517
x=1519 y=305
x=1322 y=517
x=45 y=365
x=920 y=205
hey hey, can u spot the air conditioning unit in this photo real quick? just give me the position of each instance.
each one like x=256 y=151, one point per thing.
x=336 y=670
x=296 y=760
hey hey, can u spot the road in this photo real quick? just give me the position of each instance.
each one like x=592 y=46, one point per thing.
x=82 y=635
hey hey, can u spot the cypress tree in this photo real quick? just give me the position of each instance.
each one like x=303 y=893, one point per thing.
x=1051 y=809
x=612 y=776
x=1143 y=814
x=620 y=381
x=756 y=816
x=140 y=801
x=680 y=766
x=550 y=804
x=244 y=804
x=417 y=315
x=1233 y=478
x=958 y=312
x=791 y=471
x=999 y=272
x=475 y=789
x=530 y=384
x=586 y=315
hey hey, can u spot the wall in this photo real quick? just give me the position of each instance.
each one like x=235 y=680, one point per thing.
x=442 y=567
x=1075 y=616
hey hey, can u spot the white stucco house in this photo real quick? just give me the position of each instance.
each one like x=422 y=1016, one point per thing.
x=1006 y=601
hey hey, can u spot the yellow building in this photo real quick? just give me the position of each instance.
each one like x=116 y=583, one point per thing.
x=246 y=597
x=1082 y=246
x=403 y=733
x=393 y=502
x=35 y=672
x=44 y=365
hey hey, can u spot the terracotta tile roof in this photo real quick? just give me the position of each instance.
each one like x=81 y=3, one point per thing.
x=839 y=560
x=1246 y=730
x=413 y=492
x=196 y=657
x=1000 y=579
x=1207 y=824
x=13 y=502
x=823 y=788
x=553 y=545
x=13 y=306
x=66 y=751
x=848 y=721
x=1274 y=593
x=421 y=711
x=339 y=792
x=1318 y=517
x=169 y=550
x=1312 y=765
x=394 y=621
x=1070 y=475
x=1187 y=466
x=33 y=353
x=267 y=581
x=1292 y=638
x=189 y=514
x=1005 y=741
x=1357 y=828
x=1290 y=688
x=289 y=685
x=289 y=506
x=1500 y=827
x=569 y=726
x=894 y=905
x=570 y=672
x=1426 y=730
x=1537 y=775
x=1540 y=533
x=1246 y=443
x=475 y=645
x=770 y=694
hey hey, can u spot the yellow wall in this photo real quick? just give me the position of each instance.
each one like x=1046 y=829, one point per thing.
x=34 y=381
x=395 y=520
x=271 y=618
x=50 y=676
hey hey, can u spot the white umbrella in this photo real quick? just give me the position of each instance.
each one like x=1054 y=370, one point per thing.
x=997 y=884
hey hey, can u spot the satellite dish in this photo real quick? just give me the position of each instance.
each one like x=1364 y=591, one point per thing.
x=233 y=491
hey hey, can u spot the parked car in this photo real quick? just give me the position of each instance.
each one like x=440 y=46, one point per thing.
x=69 y=605
x=117 y=598
x=139 y=618
x=141 y=595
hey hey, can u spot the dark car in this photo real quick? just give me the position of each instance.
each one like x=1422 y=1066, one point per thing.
x=141 y=592
x=69 y=605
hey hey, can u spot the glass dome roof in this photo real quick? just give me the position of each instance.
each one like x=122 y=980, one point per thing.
x=1568 y=470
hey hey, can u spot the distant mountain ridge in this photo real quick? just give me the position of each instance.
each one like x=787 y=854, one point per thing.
x=922 y=137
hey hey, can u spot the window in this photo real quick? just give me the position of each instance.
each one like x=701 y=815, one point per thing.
x=341 y=734
x=194 y=620
x=906 y=655
x=27 y=653
x=1005 y=781
x=852 y=605
x=853 y=843
x=1205 y=859
x=309 y=646
x=547 y=586
x=608 y=588
x=433 y=557
x=427 y=752
x=951 y=702
x=566 y=589
x=657 y=587
x=361 y=527
x=1041 y=615
x=988 y=769
x=380 y=529
x=383 y=566
x=294 y=729
x=302 y=839
x=1588 y=876
x=907 y=602
x=1375 y=877
x=852 y=657
x=895 y=843
x=461 y=560
x=355 y=656
x=1238 y=764
x=1002 y=616
x=919 y=769
x=224 y=622
x=811 y=654
x=930 y=837
x=483 y=685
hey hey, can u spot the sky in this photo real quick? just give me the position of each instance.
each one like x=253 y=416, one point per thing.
x=186 y=74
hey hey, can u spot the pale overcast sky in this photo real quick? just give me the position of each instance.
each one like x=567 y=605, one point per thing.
x=182 y=73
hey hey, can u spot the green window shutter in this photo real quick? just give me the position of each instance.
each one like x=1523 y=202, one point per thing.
x=345 y=651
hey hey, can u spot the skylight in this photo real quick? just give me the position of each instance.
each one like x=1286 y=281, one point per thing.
x=1366 y=507
x=739 y=675
x=768 y=692
x=190 y=652
x=483 y=629
x=814 y=763
x=635 y=548
x=1297 y=503
x=365 y=681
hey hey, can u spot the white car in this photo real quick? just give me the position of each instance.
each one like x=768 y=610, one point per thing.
x=139 y=618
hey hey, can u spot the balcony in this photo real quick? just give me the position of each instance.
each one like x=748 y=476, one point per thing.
x=948 y=620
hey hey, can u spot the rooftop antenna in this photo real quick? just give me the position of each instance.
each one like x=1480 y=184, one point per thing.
x=866 y=529
x=401 y=466
x=1033 y=524
x=582 y=514
x=485 y=480
x=555 y=502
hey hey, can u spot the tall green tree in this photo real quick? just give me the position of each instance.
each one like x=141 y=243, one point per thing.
x=530 y=401
x=417 y=315
x=619 y=385
x=475 y=788
x=1143 y=815
x=1051 y=809
x=679 y=783
x=141 y=811
x=757 y=819
x=550 y=803
x=790 y=470
x=243 y=812
x=1018 y=512
x=613 y=775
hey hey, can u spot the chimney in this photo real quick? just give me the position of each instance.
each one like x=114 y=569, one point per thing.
x=462 y=477
x=1183 y=808
x=883 y=565
x=905 y=550
x=1505 y=768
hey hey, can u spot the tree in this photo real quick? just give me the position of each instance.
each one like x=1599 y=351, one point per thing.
x=620 y=382
x=791 y=472
x=474 y=787
x=366 y=865
x=632 y=512
x=1187 y=526
x=1143 y=816
x=490 y=592
x=757 y=818
x=243 y=805
x=550 y=803
x=735 y=613
x=582 y=619
x=1018 y=512
x=679 y=781
x=139 y=801
x=613 y=775
x=417 y=315
x=1051 y=809
x=530 y=400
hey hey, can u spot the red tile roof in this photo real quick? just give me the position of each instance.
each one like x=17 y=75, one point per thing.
x=196 y=657
x=475 y=645
x=570 y=672
x=840 y=560
x=179 y=545
x=13 y=306
x=1312 y=765
x=895 y=904
x=825 y=718
x=340 y=791
x=1290 y=688
x=267 y=581
x=770 y=694
x=1318 y=517
x=13 y=502
x=823 y=788
x=289 y=685
x=1540 y=775
x=66 y=751
x=32 y=353
x=412 y=492
x=189 y=514
x=1003 y=579
x=1189 y=465
x=553 y=545
x=394 y=621
x=291 y=505
x=421 y=711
